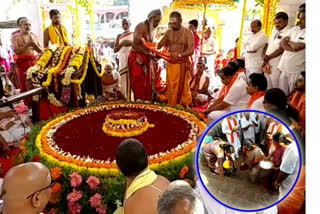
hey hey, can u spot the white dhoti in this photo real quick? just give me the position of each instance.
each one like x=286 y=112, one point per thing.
x=215 y=115
x=123 y=65
x=287 y=81
x=273 y=78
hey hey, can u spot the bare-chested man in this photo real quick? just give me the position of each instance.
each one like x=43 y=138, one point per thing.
x=27 y=48
x=180 y=43
x=140 y=58
x=56 y=33
x=143 y=186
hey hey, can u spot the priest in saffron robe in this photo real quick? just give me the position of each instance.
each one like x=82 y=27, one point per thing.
x=180 y=44
x=231 y=128
x=257 y=87
x=56 y=33
x=140 y=57
x=27 y=48
x=123 y=47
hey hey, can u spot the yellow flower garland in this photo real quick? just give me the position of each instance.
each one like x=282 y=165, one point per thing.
x=45 y=58
x=93 y=63
x=85 y=69
x=111 y=168
x=53 y=70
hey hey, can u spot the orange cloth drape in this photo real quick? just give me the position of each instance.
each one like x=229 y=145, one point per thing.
x=254 y=97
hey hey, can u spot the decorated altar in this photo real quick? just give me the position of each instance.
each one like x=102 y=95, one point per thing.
x=81 y=155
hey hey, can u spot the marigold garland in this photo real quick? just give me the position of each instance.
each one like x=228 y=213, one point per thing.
x=63 y=159
x=93 y=63
x=57 y=67
x=56 y=188
x=85 y=69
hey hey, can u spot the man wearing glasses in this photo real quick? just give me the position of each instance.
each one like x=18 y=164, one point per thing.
x=26 y=189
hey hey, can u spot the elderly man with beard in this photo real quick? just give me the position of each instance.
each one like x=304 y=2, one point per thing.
x=140 y=57
x=180 y=44
x=27 y=48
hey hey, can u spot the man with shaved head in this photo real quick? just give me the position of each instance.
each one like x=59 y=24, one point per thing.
x=254 y=49
x=140 y=57
x=27 y=48
x=26 y=189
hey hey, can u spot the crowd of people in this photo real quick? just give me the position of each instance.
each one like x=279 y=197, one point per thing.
x=253 y=137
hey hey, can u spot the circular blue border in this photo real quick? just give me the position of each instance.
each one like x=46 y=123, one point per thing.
x=199 y=147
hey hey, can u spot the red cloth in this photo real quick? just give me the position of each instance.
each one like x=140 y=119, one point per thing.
x=23 y=63
x=48 y=111
x=277 y=155
x=140 y=81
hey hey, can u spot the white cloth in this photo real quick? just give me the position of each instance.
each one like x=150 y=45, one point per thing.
x=294 y=62
x=249 y=133
x=287 y=82
x=250 y=71
x=274 y=44
x=256 y=43
x=253 y=118
x=208 y=50
x=226 y=130
x=258 y=104
x=111 y=88
x=237 y=97
x=124 y=51
x=289 y=165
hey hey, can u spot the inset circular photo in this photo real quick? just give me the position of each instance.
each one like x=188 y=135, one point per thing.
x=248 y=160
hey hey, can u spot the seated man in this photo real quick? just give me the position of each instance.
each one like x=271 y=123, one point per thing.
x=26 y=189
x=180 y=198
x=144 y=187
x=253 y=155
x=200 y=85
x=232 y=95
x=111 y=83
x=257 y=87
x=242 y=70
x=297 y=100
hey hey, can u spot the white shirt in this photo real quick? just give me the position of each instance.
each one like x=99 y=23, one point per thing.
x=249 y=133
x=289 y=165
x=237 y=98
x=256 y=43
x=274 y=44
x=253 y=118
x=258 y=104
x=208 y=45
x=226 y=130
x=294 y=62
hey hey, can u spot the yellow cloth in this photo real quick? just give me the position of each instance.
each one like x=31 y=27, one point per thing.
x=178 y=80
x=56 y=37
x=146 y=178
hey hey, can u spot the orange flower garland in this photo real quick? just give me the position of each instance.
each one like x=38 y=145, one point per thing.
x=61 y=159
